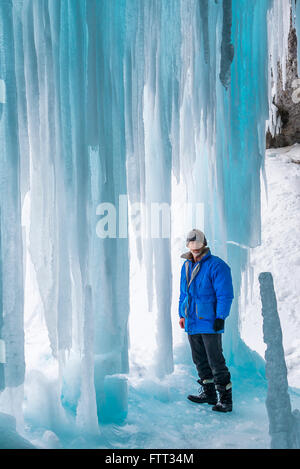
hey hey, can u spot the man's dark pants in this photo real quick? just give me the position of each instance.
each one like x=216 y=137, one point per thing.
x=207 y=354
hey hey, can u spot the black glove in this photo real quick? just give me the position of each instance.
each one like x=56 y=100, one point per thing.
x=218 y=324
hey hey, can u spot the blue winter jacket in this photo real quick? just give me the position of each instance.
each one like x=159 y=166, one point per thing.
x=210 y=293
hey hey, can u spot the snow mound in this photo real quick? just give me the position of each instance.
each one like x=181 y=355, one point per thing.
x=279 y=253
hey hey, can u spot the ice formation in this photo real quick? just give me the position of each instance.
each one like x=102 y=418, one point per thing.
x=282 y=426
x=278 y=20
x=9 y=438
x=100 y=99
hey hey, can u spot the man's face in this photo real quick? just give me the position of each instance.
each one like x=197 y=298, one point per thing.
x=195 y=247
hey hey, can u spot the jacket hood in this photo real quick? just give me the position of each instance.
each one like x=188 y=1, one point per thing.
x=189 y=256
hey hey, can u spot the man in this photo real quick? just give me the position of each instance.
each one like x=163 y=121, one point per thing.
x=206 y=294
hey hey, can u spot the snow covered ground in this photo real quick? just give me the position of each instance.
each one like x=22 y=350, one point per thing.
x=279 y=253
x=160 y=416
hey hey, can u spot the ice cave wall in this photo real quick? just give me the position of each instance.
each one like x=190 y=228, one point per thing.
x=101 y=98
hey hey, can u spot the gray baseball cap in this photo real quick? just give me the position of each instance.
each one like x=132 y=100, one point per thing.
x=196 y=235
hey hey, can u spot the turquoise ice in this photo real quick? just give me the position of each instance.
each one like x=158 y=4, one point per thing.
x=100 y=98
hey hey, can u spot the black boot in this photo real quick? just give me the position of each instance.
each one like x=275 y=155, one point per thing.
x=208 y=394
x=225 y=398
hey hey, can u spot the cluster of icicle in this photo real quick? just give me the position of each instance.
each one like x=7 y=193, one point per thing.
x=103 y=98
x=281 y=17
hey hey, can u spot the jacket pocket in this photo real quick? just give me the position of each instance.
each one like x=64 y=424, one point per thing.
x=205 y=309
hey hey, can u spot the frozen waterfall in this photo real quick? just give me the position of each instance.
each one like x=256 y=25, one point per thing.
x=108 y=108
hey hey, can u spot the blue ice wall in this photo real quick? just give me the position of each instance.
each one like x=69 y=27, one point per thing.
x=2 y=353
x=63 y=116
x=200 y=70
x=11 y=317
x=100 y=98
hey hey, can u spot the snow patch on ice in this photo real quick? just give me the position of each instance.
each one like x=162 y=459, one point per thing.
x=278 y=254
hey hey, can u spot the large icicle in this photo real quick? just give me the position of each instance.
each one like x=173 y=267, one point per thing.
x=278 y=402
x=109 y=262
x=150 y=103
x=278 y=30
x=12 y=330
x=2 y=343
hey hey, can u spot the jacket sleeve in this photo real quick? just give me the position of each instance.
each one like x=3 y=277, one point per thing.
x=222 y=283
x=183 y=295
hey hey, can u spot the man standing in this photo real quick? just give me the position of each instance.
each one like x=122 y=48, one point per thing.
x=206 y=294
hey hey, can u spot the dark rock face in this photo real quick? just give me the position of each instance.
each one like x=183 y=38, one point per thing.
x=287 y=109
